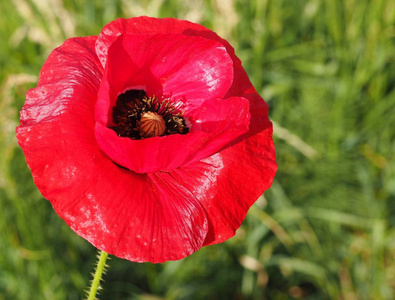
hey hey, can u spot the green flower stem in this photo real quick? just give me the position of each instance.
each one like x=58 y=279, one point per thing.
x=101 y=264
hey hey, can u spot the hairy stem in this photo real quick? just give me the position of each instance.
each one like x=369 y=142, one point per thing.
x=101 y=264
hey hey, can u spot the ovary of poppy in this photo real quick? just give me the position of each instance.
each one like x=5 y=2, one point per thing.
x=131 y=187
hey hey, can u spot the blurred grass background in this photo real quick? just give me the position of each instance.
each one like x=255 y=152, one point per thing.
x=326 y=228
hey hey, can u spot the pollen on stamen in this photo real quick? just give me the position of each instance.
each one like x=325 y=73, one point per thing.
x=138 y=116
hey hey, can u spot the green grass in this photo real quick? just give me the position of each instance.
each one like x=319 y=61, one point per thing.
x=326 y=228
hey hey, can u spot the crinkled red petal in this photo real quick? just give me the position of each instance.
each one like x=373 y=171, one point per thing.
x=225 y=183
x=249 y=170
x=129 y=215
x=144 y=26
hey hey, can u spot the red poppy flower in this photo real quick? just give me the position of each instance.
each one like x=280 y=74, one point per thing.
x=149 y=139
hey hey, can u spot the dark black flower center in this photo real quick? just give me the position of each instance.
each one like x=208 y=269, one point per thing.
x=138 y=116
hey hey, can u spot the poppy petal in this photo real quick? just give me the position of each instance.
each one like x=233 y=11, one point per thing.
x=229 y=182
x=84 y=73
x=249 y=169
x=140 y=26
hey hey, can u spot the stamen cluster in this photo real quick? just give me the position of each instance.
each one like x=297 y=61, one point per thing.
x=130 y=116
